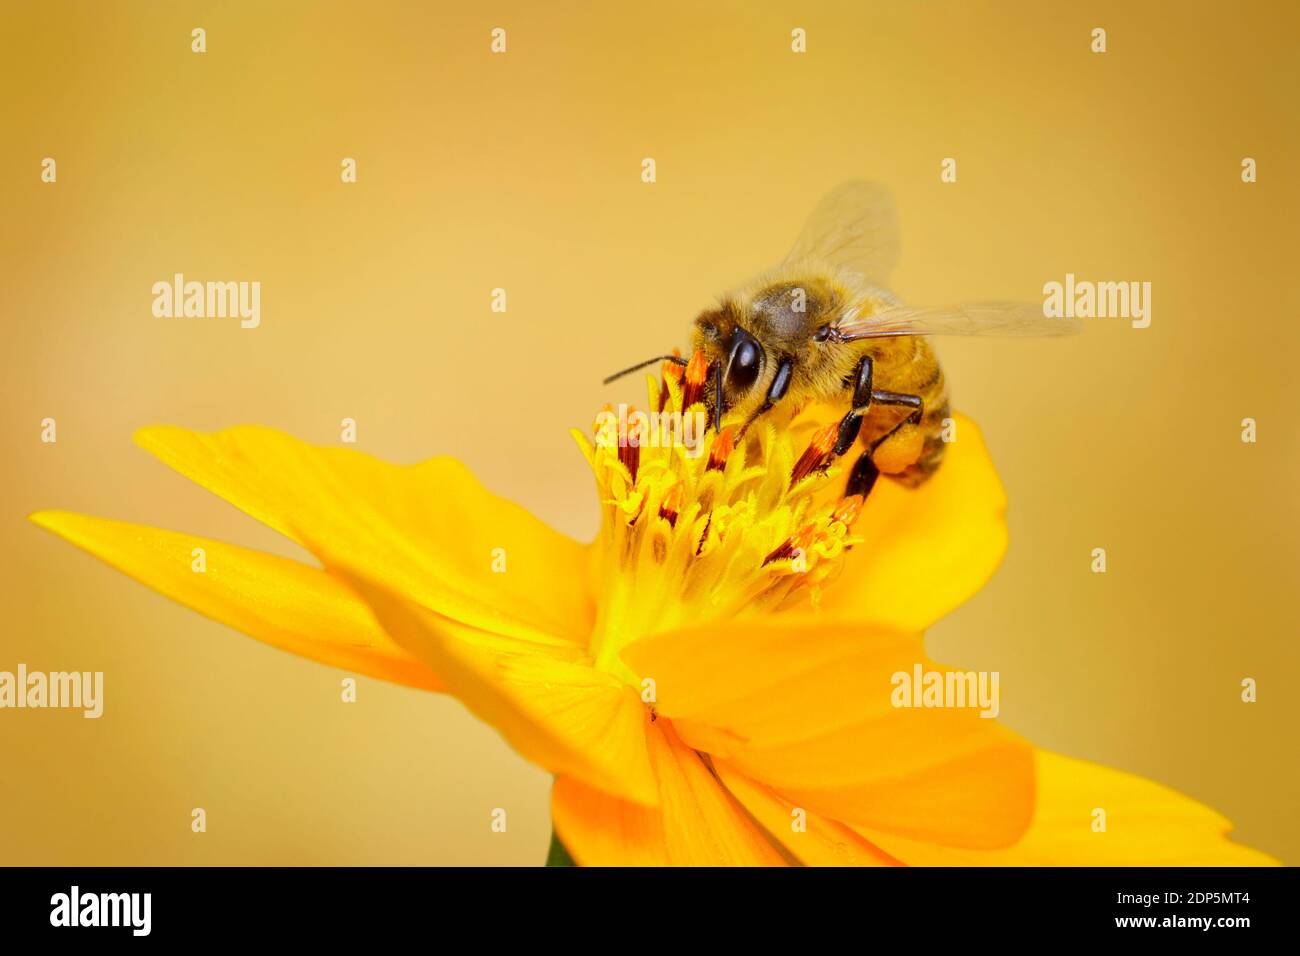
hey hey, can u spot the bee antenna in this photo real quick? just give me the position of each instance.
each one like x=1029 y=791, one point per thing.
x=675 y=359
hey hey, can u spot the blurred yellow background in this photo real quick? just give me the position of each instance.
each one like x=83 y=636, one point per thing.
x=522 y=171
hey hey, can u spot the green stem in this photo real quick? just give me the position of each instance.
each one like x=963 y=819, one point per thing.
x=557 y=855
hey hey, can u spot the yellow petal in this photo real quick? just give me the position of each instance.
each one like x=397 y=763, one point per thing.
x=810 y=838
x=697 y=823
x=809 y=711
x=928 y=549
x=548 y=702
x=1146 y=824
x=430 y=531
x=282 y=602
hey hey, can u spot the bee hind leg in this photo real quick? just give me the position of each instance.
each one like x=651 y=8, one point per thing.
x=899 y=449
x=882 y=397
x=864 y=396
x=865 y=470
x=863 y=476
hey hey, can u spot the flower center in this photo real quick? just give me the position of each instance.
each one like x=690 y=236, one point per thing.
x=699 y=525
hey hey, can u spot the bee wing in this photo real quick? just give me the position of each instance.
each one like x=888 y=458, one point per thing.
x=853 y=230
x=975 y=318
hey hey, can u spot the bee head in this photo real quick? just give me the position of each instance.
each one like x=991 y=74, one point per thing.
x=735 y=356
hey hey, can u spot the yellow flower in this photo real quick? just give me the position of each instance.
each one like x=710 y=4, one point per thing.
x=710 y=680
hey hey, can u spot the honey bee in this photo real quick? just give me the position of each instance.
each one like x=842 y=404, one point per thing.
x=821 y=326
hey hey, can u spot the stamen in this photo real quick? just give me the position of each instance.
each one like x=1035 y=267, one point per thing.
x=722 y=449
x=697 y=373
x=629 y=452
x=674 y=373
x=704 y=535
x=816 y=455
x=672 y=505
x=705 y=560
x=796 y=543
x=848 y=510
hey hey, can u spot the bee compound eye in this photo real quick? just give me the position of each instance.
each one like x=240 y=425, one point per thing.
x=746 y=357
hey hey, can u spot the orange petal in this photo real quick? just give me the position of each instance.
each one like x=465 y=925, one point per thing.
x=282 y=602
x=697 y=823
x=927 y=549
x=548 y=702
x=1146 y=824
x=430 y=531
x=812 y=839
x=809 y=712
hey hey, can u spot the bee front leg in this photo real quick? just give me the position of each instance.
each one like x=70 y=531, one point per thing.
x=775 y=392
